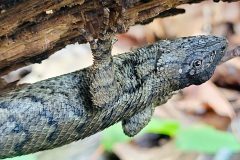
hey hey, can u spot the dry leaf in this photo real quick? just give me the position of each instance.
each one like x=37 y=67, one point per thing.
x=228 y=74
x=206 y=95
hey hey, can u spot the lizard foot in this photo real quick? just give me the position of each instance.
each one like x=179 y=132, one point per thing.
x=136 y=123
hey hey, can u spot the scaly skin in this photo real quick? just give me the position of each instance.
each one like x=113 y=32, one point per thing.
x=61 y=110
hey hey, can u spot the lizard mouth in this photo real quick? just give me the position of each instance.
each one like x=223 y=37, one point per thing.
x=204 y=77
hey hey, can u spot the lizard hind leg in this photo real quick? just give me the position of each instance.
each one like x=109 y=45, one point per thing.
x=137 y=122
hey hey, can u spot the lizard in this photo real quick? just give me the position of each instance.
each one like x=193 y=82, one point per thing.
x=126 y=88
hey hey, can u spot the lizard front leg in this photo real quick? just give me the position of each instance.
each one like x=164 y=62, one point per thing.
x=103 y=87
x=138 y=121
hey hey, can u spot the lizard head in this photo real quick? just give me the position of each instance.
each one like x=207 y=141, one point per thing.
x=201 y=56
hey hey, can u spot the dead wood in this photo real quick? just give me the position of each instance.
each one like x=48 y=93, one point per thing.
x=31 y=30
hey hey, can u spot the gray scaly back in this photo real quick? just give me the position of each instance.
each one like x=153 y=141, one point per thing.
x=127 y=87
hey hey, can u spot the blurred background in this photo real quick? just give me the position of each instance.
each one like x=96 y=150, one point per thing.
x=199 y=123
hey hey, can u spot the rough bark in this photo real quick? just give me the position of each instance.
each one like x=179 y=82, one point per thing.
x=31 y=30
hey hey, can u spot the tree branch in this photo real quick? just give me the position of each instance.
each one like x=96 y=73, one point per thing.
x=31 y=30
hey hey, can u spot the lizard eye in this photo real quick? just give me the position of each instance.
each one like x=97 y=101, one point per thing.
x=197 y=63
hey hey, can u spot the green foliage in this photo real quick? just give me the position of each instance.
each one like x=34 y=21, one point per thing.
x=205 y=139
x=114 y=134
x=162 y=126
